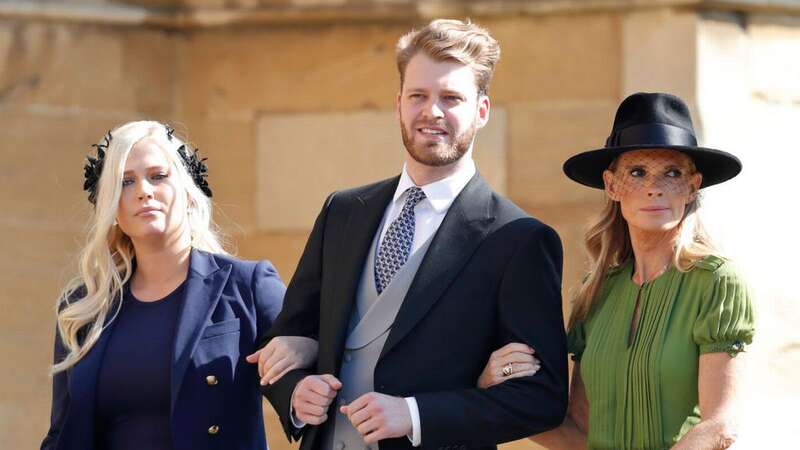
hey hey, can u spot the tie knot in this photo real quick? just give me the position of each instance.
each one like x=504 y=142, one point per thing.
x=415 y=195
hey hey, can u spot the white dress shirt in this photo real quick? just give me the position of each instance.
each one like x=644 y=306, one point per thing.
x=429 y=214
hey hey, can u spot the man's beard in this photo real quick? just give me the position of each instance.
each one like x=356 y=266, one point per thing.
x=437 y=154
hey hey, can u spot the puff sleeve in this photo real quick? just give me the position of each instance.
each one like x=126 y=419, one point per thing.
x=726 y=320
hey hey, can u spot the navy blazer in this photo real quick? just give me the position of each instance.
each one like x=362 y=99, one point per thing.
x=228 y=303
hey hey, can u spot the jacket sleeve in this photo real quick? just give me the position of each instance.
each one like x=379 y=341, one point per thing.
x=529 y=311
x=268 y=292
x=299 y=317
x=60 y=402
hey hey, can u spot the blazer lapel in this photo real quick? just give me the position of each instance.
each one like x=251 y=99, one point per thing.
x=83 y=376
x=362 y=223
x=204 y=286
x=83 y=379
x=462 y=230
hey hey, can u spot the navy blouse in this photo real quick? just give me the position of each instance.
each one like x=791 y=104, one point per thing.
x=133 y=391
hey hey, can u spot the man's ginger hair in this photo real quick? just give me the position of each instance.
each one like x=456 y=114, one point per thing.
x=452 y=40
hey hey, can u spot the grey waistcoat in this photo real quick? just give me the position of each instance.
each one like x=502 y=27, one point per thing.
x=369 y=326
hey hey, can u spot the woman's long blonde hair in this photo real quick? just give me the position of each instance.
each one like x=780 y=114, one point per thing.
x=106 y=260
x=608 y=244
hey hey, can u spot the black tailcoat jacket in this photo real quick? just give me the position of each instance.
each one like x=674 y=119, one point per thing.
x=491 y=276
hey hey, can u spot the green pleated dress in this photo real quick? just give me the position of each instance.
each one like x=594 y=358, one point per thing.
x=644 y=396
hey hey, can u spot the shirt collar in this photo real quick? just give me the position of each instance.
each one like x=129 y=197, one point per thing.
x=441 y=193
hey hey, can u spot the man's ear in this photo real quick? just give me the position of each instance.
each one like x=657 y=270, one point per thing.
x=397 y=106
x=484 y=105
x=610 y=185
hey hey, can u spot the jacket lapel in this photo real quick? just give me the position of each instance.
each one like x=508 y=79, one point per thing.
x=83 y=378
x=355 y=239
x=461 y=232
x=204 y=286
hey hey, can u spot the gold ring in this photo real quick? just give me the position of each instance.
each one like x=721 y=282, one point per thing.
x=508 y=369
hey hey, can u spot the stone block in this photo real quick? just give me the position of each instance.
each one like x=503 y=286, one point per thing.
x=42 y=173
x=28 y=324
x=317 y=68
x=229 y=145
x=36 y=265
x=774 y=58
x=659 y=52
x=299 y=168
x=282 y=249
x=85 y=70
x=541 y=138
x=722 y=67
x=23 y=424
x=206 y=4
x=557 y=58
x=490 y=150
x=570 y=220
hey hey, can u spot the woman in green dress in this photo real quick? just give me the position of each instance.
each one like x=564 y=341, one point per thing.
x=657 y=322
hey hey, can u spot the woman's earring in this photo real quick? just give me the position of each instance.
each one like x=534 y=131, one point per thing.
x=189 y=220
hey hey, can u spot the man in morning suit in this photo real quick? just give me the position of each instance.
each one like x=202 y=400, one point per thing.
x=410 y=283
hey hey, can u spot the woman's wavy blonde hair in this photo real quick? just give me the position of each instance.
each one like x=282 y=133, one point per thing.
x=106 y=260
x=608 y=244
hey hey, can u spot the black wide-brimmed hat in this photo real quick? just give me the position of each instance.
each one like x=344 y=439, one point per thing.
x=652 y=120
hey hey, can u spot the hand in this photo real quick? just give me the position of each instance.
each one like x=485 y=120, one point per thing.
x=312 y=396
x=379 y=416
x=522 y=361
x=282 y=354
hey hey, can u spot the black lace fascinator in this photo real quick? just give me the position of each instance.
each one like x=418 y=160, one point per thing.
x=94 y=166
x=197 y=167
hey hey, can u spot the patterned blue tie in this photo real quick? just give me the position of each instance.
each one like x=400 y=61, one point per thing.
x=396 y=245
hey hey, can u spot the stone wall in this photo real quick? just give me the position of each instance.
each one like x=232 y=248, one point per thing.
x=288 y=111
x=60 y=87
x=749 y=99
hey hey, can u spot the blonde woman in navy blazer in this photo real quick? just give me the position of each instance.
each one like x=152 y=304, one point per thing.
x=153 y=333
